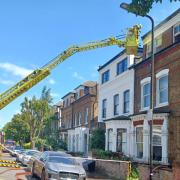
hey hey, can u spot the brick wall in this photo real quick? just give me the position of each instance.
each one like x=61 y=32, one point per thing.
x=167 y=59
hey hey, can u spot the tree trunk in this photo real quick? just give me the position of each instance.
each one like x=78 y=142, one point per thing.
x=32 y=144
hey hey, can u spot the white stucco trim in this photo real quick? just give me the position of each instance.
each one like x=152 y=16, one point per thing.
x=162 y=73
x=146 y=80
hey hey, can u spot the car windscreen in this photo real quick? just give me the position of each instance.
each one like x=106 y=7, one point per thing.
x=63 y=160
x=30 y=153
x=18 y=148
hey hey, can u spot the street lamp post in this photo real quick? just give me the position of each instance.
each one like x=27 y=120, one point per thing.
x=126 y=7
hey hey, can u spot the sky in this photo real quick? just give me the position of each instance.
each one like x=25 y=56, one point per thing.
x=35 y=31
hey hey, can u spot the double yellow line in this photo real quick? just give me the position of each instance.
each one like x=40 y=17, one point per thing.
x=9 y=165
x=7 y=161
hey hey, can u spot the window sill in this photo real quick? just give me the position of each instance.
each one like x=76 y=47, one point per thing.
x=144 y=109
x=161 y=105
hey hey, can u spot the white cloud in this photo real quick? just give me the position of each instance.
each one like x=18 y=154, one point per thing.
x=6 y=82
x=15 y=70
x=51 y=81
x=77 y=76
x=55 y=94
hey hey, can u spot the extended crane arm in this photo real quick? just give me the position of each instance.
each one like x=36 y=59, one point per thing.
x=130 y=43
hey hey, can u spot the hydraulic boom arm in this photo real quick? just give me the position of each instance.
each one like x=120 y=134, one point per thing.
x=131 y=43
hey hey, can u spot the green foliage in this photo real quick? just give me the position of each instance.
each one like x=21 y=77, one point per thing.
x=142 y=7
x=27 y=145
x=36 y=113
x=134 y=175
x=56 y=143
x=98 y=139
x=101 y=154
x=31 y=122
x=17 y=129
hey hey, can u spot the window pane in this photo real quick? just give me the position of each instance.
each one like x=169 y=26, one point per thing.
x=121 y=140
x=139 y=134
x=163 y=82
x=110 y=133
x=163 y=96
x=146 y=89
x=139 y=150
x=104 y=104
x=105 y=76
x=116 y=104
x=126 y=101
x=163 y=89
x=147 y=101
x=122 y=66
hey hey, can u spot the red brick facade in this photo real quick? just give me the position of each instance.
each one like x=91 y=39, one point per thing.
x=168 y=58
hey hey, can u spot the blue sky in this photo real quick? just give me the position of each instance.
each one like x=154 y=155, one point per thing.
x=33 y=32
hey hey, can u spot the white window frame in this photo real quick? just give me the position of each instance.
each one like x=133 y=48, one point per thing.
x=104 y=117
x=161 y=141
x=139 y=142
x=86 y=115
x=127 y=112
x=145 y=81
x=159 y=75
x=115 y=105
x=80 y=119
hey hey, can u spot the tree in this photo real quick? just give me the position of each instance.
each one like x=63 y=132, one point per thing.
x=17 y=130
x=98 y=139
x=36 y=113
x=143 y=6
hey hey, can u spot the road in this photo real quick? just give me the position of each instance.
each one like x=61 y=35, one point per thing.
x=6 y=173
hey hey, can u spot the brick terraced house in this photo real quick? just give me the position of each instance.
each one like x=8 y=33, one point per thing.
x=124 y=98
x=166 y=118
x=80 y=116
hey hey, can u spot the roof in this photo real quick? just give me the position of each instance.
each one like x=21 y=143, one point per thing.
x=87 y=83
x=67 y=94
x=118 y=118
x=115 y=57
x=163 y=22
x=60 y=103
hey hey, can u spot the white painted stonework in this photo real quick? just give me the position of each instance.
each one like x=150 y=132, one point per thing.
x=146 y=134
x=78 y=139
x=116 y=85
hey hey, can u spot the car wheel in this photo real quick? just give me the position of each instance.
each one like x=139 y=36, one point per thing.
x=43 y=175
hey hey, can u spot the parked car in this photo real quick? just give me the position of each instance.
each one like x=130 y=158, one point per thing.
x=16 y=150
x=33 y=158
x=20 y=155
x=57 y=165
x=27 y=156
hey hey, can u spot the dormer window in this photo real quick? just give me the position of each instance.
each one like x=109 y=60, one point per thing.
x=177 y=33
x=158 y=43
x=148 y=50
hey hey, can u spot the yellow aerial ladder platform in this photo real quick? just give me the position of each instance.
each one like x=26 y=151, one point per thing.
x=130 y=43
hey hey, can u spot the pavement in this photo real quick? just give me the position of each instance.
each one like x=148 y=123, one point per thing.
x=8 y=173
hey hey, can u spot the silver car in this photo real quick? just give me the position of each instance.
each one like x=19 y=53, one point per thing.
x=27 y=156
x=57 y=166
